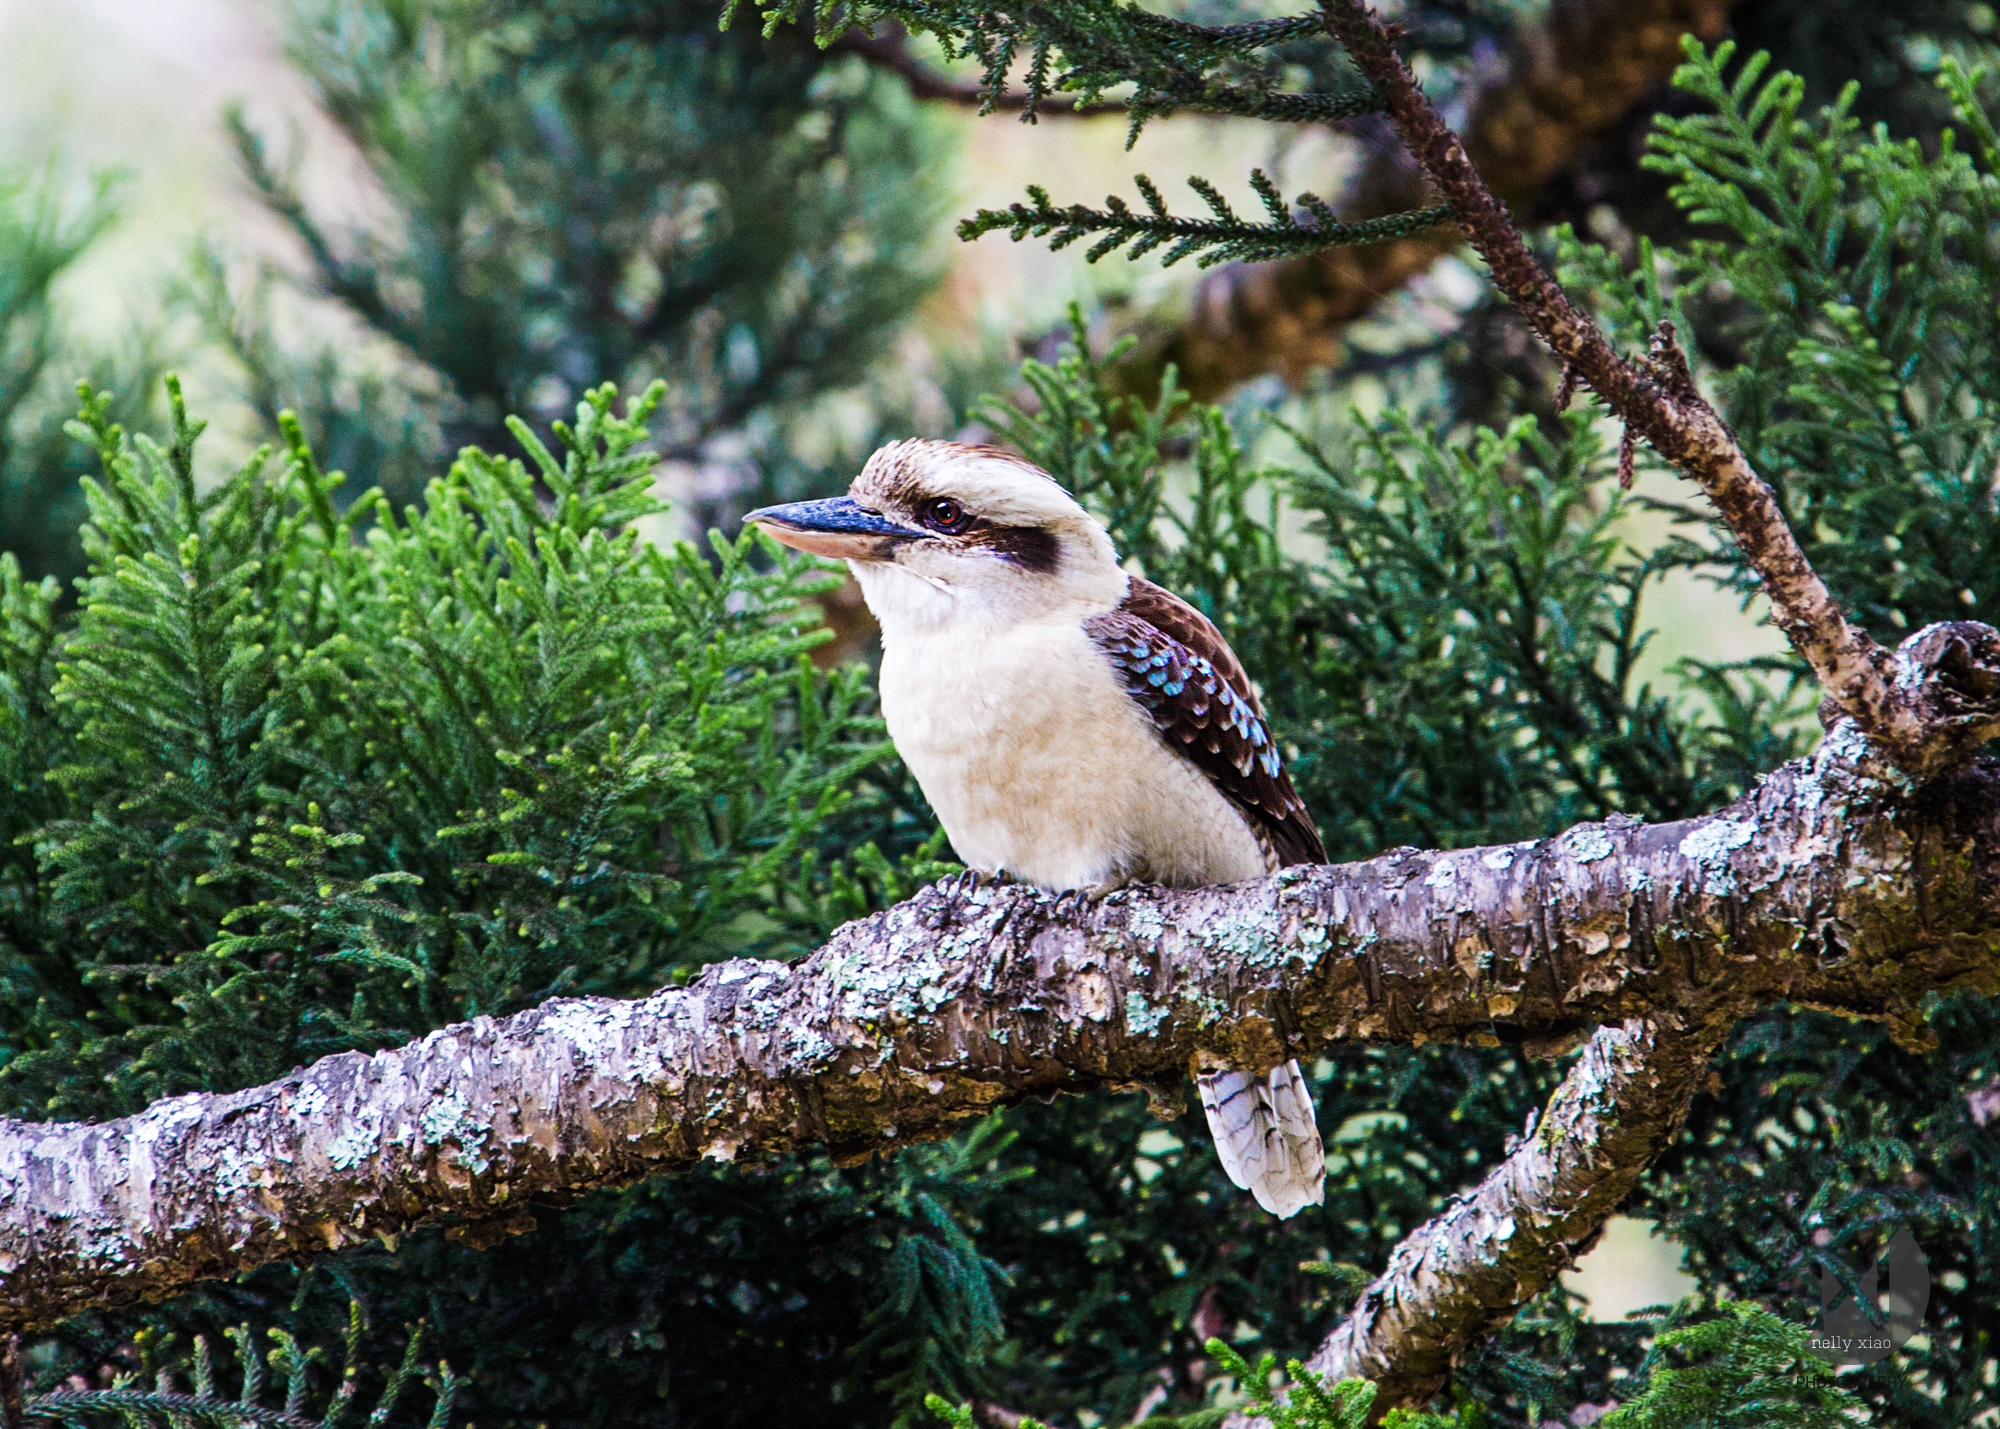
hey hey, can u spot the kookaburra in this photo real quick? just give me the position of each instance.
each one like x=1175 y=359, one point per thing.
x=1074 y=726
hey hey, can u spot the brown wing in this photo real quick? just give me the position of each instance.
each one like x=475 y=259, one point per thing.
x=1176 y=664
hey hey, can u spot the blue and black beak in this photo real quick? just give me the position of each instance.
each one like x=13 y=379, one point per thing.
x=841 y=528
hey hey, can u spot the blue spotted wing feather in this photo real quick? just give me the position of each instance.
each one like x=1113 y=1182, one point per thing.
x=1177 y=666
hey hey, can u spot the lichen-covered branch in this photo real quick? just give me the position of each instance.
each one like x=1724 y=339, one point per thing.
x=1566 y=81
x=1468 y=1270
x=1831 y=885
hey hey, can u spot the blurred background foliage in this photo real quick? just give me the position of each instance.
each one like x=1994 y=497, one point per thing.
x=473 y=742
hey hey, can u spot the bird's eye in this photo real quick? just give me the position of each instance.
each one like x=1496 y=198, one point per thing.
x=943 y=514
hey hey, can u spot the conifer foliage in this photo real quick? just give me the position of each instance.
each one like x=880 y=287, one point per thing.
x=299 y=778
x=306 y=773
x=299 y=791
x=45 y=229
x=188 y=1386
x=582 y=193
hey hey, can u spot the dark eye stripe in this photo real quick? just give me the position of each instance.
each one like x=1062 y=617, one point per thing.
x=1029 y=547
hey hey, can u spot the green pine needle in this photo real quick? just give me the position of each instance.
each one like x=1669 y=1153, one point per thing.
x=1224 y=238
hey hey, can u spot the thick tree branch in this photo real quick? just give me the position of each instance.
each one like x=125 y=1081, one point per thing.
x=1565 y=83
x=1657 y=399
x=1467 y=1271
x=1832 y=886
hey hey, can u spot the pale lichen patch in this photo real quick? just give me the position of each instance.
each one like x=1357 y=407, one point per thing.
x=1587 y=844
x=1249 y=936
x=1708 y=847
x=1144 y=920
x=354 y=1145
x=166 y=1117
x=450 y=1118
x=593 y=1028
x=805 y=1044
x=1141 y=1017
x=236 y=1168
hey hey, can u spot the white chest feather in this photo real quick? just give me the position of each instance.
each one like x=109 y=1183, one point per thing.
x=1040 y=765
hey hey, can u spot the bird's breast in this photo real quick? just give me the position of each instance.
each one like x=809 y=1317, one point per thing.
x=1039 y=764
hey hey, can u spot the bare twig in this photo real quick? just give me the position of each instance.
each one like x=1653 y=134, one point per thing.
x=1566 y=81
x=1189 y=90
x=887 y=47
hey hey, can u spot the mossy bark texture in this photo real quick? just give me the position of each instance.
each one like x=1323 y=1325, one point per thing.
x=1834 y=885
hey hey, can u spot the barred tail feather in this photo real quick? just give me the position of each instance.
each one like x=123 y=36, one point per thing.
x=1266 y=1136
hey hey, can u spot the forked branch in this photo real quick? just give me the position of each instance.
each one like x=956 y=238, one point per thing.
x=1825 y=886
x=1922 y=710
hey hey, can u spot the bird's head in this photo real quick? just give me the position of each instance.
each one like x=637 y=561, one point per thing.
x=944 y=532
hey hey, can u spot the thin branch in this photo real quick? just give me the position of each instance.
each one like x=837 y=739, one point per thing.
x=1184 y=89
x=1565 y=83
x=1828 y=886
x=1655 y=397
x=888 y=48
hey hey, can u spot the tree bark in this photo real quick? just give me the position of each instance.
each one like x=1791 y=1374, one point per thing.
x=1833 y=885
x=1466 y=1271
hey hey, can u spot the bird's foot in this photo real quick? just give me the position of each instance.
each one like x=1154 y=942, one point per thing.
x=1078 y=899
x=971 y=880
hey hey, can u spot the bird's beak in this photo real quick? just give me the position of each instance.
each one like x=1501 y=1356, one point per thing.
x=841 y=528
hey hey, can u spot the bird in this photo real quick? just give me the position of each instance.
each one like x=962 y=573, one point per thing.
x=1074 y=726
